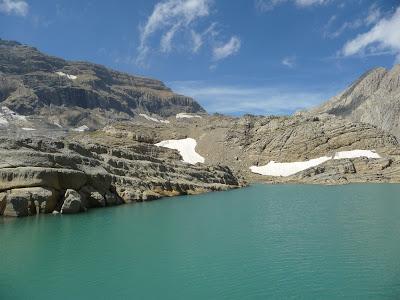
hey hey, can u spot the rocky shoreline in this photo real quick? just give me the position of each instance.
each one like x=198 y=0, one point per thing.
x=46 y=176
x=75 y=135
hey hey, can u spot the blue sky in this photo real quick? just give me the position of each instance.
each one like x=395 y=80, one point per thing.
x=255 y=56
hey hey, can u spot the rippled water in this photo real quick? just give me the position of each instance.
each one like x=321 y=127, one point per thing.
x=279 y=242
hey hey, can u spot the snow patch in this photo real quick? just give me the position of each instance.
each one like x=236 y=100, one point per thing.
x=28 y=129
x=186 y=148
x=288 y=169
x=81 y=129
x=62 y=74
x=147 y=117
x=187 y=116
x=356 y=153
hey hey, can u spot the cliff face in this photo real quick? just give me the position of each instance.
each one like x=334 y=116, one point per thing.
x=32 y=83
x=373 y=99
x=41 y=175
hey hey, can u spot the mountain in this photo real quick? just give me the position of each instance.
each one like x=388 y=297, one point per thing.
x=79 y=93
x=373 y=99
x=146 y=142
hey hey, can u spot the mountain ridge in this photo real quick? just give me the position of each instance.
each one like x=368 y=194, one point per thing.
x=35 y=83
x=374 y=98
x=78 y=135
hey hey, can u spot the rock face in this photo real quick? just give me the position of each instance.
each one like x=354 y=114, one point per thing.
x=79 y=93
x=254 y=141
x=70 y=171
x=72 y=203
x=373 y=99
x=21 y=202
x=40 y=175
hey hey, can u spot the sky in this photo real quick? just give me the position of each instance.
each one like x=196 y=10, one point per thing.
x=234 y=57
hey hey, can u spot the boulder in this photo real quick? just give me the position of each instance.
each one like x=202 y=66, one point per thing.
x=72 y=202
x=92 y=196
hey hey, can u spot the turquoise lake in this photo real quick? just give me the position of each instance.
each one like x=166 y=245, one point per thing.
x=260 y=242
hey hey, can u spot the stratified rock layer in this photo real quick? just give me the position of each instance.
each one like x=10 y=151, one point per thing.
x=85 y=94
x=41 y=175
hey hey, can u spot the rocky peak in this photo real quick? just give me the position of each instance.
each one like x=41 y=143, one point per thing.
x=374 y=99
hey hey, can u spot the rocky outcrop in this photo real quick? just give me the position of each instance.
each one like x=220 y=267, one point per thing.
x=79 y=93
x=46 y=166
x=42 y=175
x=373 y=99
x=254 y=141
x=21 y=202
x=73 y=202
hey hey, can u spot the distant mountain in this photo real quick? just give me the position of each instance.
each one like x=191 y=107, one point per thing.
x=374 y=99
x=79 y=93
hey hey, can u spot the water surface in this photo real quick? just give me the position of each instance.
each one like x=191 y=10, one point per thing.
x=261 y=242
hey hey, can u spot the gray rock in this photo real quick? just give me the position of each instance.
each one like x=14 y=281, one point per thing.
x=19 y=204
x=373 y=99
x=3 y=202
x=30 y=85
x=72 y=202
x=94 y=198
x=112 y=199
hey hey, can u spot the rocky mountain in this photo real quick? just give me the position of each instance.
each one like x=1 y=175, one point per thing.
x=256 y=140
x=373 y=99
x=68 y=93
x=75 y=136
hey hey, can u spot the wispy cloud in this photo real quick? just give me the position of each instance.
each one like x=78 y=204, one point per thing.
x=14 y=7
x=172 y=17
x=227 y=49
x=169 y=17
x=264 y=100
x=372 y=16
x=267 y=5
x=289 y=61
x=381 y=38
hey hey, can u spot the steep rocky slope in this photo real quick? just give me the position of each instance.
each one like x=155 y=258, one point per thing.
x=79 y=93
x=373 y=99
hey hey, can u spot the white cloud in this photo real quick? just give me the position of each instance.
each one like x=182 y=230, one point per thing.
x=266 y=5
x=14 y=7
x=383 y=37
x=168 y=17
x=228 y=49
x=289 y=61
x=263 y=100
x=176 y=25
x=370 y=18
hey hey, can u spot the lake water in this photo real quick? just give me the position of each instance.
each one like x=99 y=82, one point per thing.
x=261 y=242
